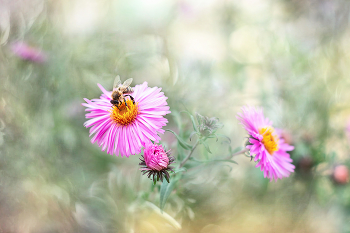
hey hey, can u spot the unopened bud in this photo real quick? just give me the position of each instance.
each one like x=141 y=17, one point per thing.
x=207 y=126
x=341 y=174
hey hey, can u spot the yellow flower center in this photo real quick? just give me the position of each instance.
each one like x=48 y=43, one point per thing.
x=125 y=115
x=270 y=139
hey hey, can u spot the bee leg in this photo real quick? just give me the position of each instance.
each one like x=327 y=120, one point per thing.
x=125 y=102
x=132 y=98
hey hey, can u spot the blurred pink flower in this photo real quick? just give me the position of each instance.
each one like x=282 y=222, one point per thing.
x=266 y=144
x=341 y=174
x=24 y=51
x=124 y=130
x=155 y=161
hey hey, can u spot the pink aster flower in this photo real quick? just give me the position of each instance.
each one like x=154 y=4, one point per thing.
x=26 y=52
x=266 y=144
x=155 y=162
x=125 y=129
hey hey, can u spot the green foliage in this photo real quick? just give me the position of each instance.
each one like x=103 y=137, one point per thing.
x=181 y=141
x=165 y=190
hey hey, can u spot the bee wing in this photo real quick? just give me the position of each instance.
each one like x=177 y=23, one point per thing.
x=127 y=83
x=117 y=82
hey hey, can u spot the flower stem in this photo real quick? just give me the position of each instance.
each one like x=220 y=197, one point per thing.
x=189 y=155
x=237 y=153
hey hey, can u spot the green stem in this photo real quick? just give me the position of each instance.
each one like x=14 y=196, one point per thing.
x=237 y=153
x=189 y=155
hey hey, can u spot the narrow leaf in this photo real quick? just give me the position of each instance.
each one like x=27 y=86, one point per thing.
x=177 y=170
x=182 y=143
x=224 y=136
x=163 y=215
x=193 y=133
x=214 y=136
x=193 y=121
x=206 y=146
x=165 y=191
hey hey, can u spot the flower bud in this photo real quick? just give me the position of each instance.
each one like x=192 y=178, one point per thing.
x=341 y=174
x=155 y=162
x=207 y=126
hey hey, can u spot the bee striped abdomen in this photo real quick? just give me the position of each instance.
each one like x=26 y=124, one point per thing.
x=128 y=90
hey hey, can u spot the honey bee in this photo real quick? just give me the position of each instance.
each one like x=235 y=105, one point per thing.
x=120 y=91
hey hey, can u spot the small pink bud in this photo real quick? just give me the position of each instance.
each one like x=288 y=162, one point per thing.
x=156 y=161
x=341 y=174
x=156 y=158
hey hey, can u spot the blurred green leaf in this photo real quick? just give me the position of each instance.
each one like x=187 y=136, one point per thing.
x=214 y=136
x=164 y=215
x=182 y=143
x=199 y=118
x=206 y=146
x=191 y=135
x=177 y=170
x=193 y=121
x=223 y=136
x=165 y=191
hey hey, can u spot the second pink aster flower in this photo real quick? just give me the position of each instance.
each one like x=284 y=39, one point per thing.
x=266 y=144
x=125 y=129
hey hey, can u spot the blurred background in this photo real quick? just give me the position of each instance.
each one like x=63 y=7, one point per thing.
x=209 y=56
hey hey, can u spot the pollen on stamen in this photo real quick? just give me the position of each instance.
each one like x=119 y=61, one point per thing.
x=125 y=115
x=270 y=139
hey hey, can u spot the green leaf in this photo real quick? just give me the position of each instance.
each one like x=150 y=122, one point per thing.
x=165 y=191
x=193 y=121
x=182 y=143
x=206 y=146
x=214 y=136
x=177 y=170
x=224 y=136
x=163 y=215
x=193 y=133
x=199 y=118
x=167 y=179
